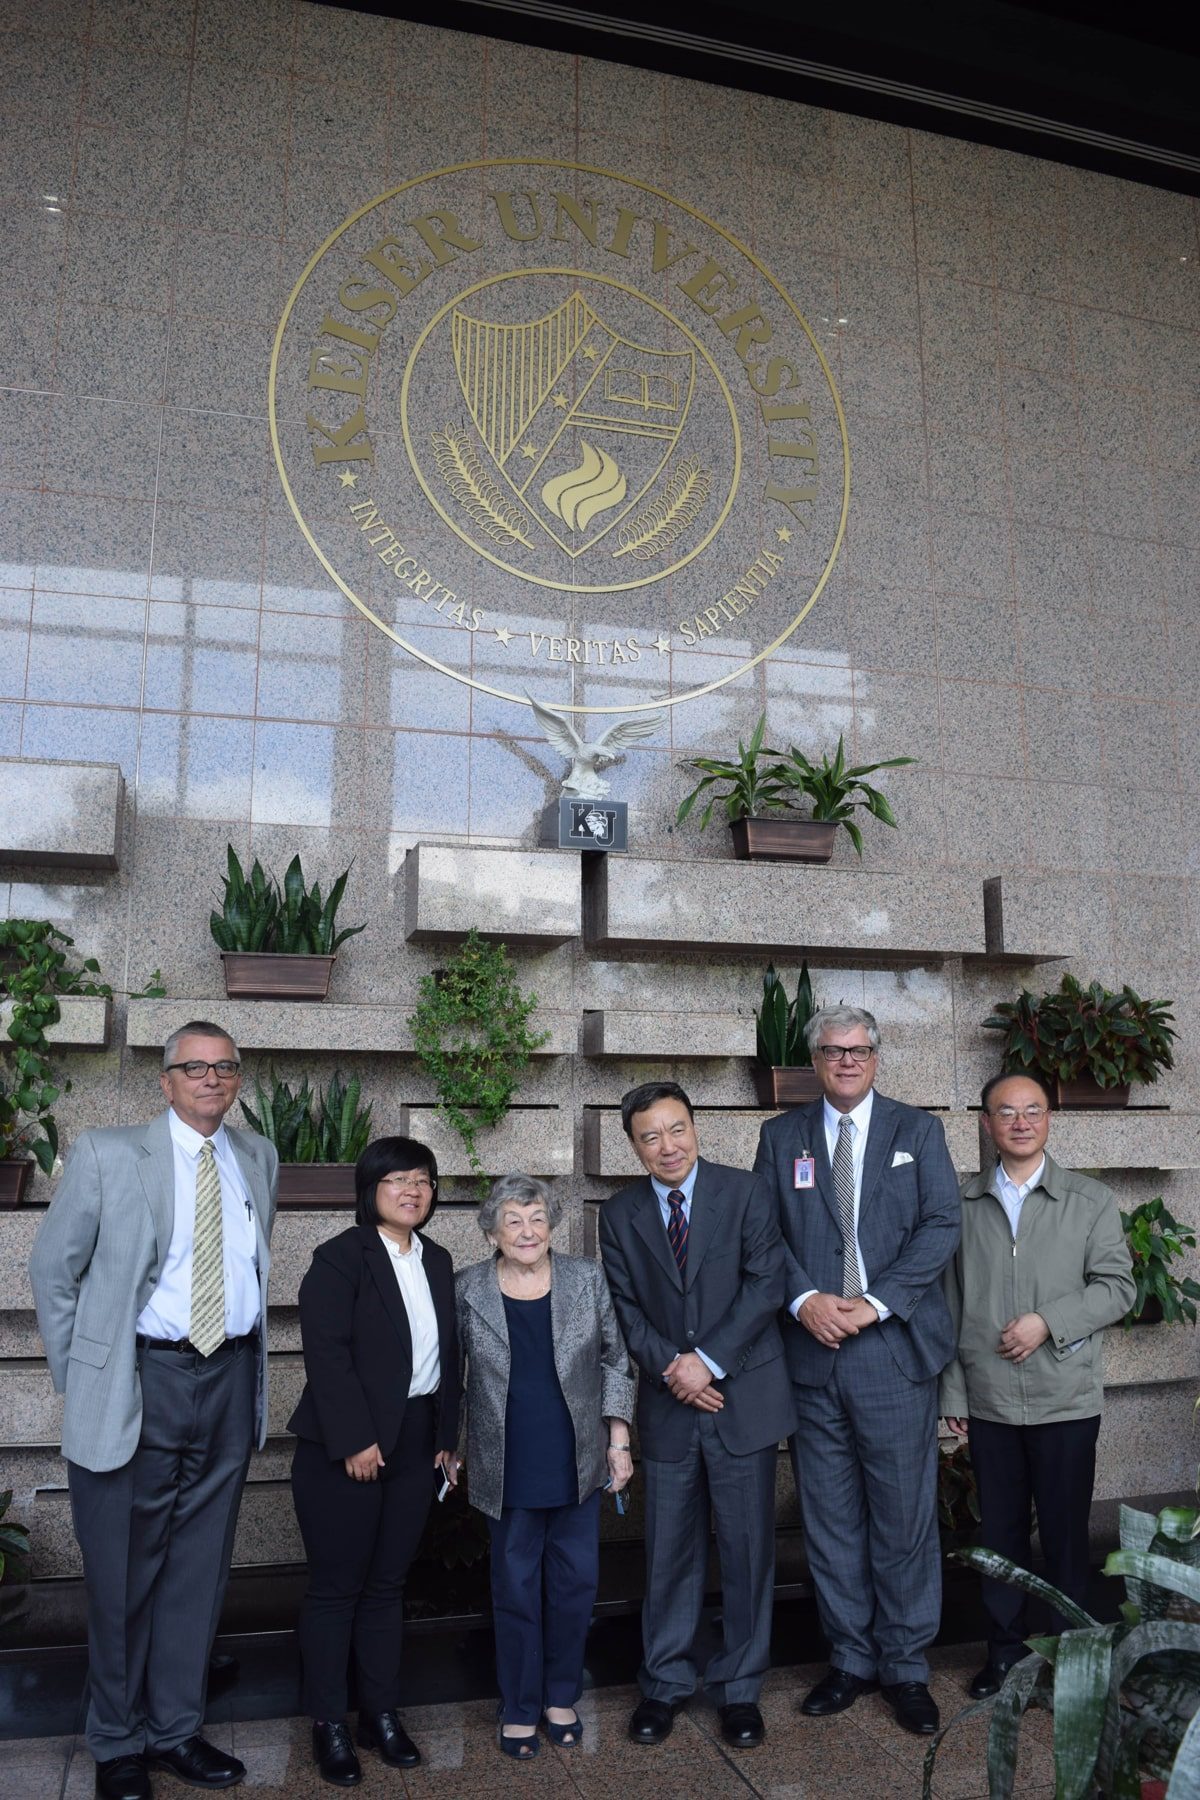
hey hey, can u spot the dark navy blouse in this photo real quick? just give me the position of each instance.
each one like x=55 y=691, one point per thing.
x=539 y=1438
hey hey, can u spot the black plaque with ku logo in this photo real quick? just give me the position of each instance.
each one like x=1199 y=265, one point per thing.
x=592 y=824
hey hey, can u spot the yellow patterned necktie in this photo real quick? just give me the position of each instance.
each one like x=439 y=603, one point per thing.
x=207 y=1330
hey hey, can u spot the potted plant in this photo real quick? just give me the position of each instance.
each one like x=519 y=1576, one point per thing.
x=783 y=1071
x=471 y=1035
x=277 y=943
x=14 y=1559
x=1124 y=1695
x=763 y=790
x=319 y=1137
x=1087 y=1043
x=1156 y=1240
x=957 y=1494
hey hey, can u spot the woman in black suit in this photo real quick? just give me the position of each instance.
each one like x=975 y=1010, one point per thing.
x=377 y=1421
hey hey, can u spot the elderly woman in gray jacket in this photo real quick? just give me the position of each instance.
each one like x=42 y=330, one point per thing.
x=549 y=1398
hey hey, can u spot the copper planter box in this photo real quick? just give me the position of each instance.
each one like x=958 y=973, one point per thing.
x=15 y=1175
x=786 y=1087
x=316 y=1184
x=1084 y=1091
x=781 y=839
x=262 y=975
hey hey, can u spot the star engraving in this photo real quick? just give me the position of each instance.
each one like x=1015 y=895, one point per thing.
x=560 y=400
x=784 y=535
x=347 y=478
x=662 y=645
x=529 y=450
x=503 y=633
x=591 y=354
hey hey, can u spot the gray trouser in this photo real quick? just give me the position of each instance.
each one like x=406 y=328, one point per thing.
x=739 y=1491
x=864 y=1455
x=156 y=1537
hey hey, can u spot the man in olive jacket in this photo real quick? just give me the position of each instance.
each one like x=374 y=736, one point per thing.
x=1042 y=1268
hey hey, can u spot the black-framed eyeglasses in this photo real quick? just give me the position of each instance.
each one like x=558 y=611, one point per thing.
x=196 y=1070
x=859 y=1053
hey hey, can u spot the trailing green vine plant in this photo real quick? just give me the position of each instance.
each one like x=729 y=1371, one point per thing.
x=34 y=972
x=471 y=1035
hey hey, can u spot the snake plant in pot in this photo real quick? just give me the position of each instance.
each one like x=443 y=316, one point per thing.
x=277 y=941
x=319 y=1137
x=783 y=1071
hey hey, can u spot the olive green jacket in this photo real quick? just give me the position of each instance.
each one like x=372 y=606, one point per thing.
x=1070 y=1263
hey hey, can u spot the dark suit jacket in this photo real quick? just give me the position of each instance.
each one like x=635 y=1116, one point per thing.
x=358 y=1346
x=908 y=1229
x=728 y=1307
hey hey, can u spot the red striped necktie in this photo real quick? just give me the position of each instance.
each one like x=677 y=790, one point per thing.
x=677 y=1230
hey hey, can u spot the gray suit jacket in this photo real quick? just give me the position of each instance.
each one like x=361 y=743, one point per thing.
x=909 y=1220
x=728 y=1307
x=589 y=1357
x=95 y=1264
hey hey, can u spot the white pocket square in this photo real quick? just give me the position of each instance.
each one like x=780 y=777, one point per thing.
x=901 y=1156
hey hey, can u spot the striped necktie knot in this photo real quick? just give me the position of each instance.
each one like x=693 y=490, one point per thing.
x=843 y=1189
x=207 y=1327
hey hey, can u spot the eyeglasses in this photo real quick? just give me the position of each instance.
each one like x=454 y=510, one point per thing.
x=859 y=1053
x=408 y=1184
x=196 y=1071
x=1006 y=1114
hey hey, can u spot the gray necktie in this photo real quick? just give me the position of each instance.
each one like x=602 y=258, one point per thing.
x=843 y=1187
x=207 y=1328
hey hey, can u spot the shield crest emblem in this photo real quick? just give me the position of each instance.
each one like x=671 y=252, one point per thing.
x=578 y=420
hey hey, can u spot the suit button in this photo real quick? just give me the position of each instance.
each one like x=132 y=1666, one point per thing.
x=691 y=1337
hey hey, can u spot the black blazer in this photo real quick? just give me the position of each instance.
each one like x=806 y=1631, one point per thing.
x=358 y=1346
x=728 y=1307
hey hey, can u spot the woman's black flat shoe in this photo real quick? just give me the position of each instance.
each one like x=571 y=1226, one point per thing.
x=520 y=1749
x=334 y=1755
x=566 y=1736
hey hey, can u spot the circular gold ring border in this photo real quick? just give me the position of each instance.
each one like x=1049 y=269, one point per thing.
x=624 y=287
x=547 y=162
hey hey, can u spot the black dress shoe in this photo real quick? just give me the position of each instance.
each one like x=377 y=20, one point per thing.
x=989 y=1680
x=123 y=1778
x=741 y=1724
x=838 y=1690
x=334 y=1755
x=199 y=1764
x=652 y=1721
x=384 y=1732
x=913 y=1705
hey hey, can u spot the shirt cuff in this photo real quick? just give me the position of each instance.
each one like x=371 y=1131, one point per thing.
x=885 y=1312
x=714 y=1369
x=794 y=1308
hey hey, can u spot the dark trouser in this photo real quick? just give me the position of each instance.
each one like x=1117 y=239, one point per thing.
x=1054 y=1468
x=360 y=1537
x=739 y=1494
x=156 y=1537
x=545 y=1569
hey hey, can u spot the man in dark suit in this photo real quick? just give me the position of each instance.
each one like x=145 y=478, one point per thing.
x=149 y=1275
x=869 y=1211
x=693 y=1260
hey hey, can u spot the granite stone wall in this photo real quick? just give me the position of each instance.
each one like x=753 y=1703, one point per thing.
x=1017 y=349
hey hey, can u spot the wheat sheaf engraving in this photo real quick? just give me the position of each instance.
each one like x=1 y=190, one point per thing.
x=463 y=473
x=658 y=525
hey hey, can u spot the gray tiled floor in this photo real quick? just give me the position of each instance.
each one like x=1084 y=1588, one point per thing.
x=863 y=1754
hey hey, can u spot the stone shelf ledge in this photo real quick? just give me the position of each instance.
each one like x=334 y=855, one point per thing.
x=730 y=1135
x=521 y=896
x=83 y=1024
x=646 y=1035
x=535 y=1140
x=1145 y=1355
x=1031 y=919
x=61 y=814
x=303 y=1025
x=631 y=903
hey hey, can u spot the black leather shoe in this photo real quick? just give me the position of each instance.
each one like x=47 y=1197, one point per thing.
x=122 y=1778
x=989 y=1680
x=913 y=1705
x=384 y=1732
x=199 y=1764
x=334 y=1755
x=741 y=1724
x=838 y=1690
x=652 y=1721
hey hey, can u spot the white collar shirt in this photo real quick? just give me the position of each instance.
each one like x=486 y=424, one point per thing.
x=860 y=1122
x=409 y=1270
x=168 y=1311
x=1011 y=1196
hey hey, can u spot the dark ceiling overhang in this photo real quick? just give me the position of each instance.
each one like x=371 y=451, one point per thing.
x=1095 y=85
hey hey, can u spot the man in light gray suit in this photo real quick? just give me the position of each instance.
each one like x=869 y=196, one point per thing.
x=149 y=1275
x=869 y=1213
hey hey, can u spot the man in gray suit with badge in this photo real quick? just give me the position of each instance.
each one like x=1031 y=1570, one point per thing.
x=694 y=1265
x=149 y=1275
x=869 y=1212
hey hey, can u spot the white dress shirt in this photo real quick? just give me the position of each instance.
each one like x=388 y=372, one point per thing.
x=686 y=1188
x=860 y=1124
x=1012 y=1197
x=168 y=1312
x=409 y=1270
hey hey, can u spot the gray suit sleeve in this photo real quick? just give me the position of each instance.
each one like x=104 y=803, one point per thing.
x=760 y=1294
x=62 y=1251
x=649 y=1349
x=616 y=1376
x=796 y=1279
x=939 y=1227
